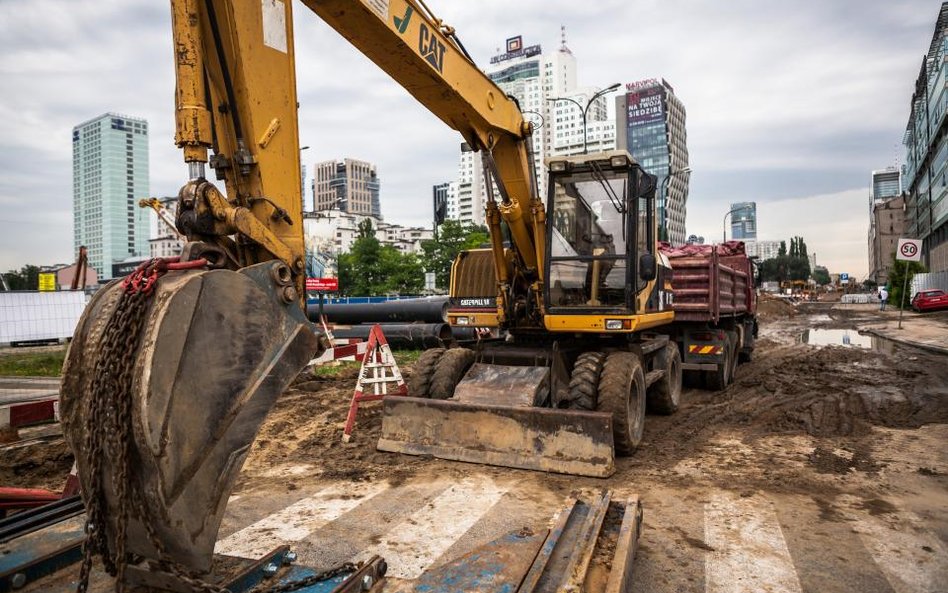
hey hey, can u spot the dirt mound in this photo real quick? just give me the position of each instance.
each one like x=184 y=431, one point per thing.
x=42 y=464
x=305 y=428
x=770 y=307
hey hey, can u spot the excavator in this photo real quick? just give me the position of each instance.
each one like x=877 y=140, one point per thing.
x=173 y=369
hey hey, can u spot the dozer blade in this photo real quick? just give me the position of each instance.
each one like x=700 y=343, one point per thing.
x=553 y=440
x=215 y=351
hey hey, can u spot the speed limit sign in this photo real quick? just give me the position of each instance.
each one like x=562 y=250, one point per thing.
x=909 y=250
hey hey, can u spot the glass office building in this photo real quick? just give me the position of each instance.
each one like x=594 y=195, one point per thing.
x=925 y=172
x=744 y=221
x=109 y=176
x=653 y=120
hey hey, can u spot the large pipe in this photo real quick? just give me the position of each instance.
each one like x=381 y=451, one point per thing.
x=426 y=310
x=405 y=336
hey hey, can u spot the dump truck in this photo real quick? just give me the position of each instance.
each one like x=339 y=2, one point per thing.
x=715 y=305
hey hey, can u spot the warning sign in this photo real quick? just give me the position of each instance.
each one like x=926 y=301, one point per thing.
x=47 y=282
x=909 y=250
x=322 y=284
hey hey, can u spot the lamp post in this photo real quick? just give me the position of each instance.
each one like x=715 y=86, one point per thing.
x=724 y=220
x=303 y=178
x=585 y=110
x=664 y=193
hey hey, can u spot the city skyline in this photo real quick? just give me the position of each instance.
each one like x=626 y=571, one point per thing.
x=752 y=133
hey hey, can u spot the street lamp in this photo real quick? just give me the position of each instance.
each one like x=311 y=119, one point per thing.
x=664 y=194
x=585 y=110
x=303 y=178
x=724 y=220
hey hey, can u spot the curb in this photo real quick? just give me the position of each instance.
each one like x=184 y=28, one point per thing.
x=921 y=346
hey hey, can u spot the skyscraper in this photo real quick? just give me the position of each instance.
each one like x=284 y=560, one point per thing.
x=744 y=221
x=886 y=183
x=531 y=77
x=926 y=141
x=109 y=176
x=650 y=121
x=350 y=186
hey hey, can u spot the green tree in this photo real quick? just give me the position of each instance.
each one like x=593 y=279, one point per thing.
x=821 y=275
x=453 y=238
x=26 y=279
x=373 y=269
x=901 y=275
x=783 y=249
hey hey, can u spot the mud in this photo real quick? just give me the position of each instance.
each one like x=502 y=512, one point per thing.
x=43 y=464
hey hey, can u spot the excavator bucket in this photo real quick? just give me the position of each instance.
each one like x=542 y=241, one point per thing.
x=494 y=418
x=214 y=352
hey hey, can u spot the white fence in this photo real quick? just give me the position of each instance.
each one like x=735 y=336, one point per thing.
x=929 y=281
x=33 y=316
x=859 y=299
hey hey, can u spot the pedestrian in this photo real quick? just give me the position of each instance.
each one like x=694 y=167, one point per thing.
x=883 y=298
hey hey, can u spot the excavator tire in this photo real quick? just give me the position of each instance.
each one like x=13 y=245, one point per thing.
x=449 y=371
x=584 y=381
x=665 y=394
x=622 y=392
x=420 y=382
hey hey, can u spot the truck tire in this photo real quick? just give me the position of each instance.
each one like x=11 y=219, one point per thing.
x=720 y=378
x=745 y=355
x=449 y=371
x=733 y=342
x=420 y=382
x=584 y=381
x=665 y=394
x=622 y=392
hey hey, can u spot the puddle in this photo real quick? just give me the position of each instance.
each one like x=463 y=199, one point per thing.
x=845 y=337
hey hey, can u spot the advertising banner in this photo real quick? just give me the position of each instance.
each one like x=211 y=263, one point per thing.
x=645 y=106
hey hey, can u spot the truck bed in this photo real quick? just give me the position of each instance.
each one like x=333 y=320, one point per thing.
x=711 y=282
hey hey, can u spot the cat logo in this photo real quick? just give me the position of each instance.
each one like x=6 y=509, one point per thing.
x=431 y=48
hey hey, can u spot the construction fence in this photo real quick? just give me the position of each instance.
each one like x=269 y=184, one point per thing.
x=32 y=317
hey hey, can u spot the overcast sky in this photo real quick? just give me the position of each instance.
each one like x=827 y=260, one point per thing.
x=789 y=104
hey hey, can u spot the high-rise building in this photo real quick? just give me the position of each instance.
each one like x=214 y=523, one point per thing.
x=886 y=183
x=762 y=250
x=349 y=185
x=532 y=77
x=744 y=221
x=650 y=121
x=888 y=225
x=926 y=142
x=109 y=176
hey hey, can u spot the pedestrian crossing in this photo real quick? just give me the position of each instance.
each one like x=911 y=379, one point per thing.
x=702 y=541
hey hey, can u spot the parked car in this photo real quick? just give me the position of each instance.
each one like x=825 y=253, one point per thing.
x=930 y=300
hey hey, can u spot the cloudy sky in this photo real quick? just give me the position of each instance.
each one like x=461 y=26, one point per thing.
x=790 y=104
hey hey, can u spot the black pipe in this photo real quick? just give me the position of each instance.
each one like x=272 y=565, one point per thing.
x=423 y=310
x=404 y=336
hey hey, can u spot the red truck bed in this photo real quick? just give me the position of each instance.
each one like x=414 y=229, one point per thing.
x=711 y=282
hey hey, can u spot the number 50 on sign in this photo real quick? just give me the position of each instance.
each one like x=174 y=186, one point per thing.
x=909 y=250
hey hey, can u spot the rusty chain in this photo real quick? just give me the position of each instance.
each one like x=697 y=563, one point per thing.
x=108 y=432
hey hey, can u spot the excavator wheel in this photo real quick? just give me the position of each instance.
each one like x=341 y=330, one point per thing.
x=449 y=371
x=584 y=381
x=420 y=382
x=665 y=394
x=622 y=392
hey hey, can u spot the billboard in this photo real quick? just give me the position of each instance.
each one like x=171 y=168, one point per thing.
x=645 y=106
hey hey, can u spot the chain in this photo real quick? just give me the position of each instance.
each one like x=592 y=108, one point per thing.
x=108 y=433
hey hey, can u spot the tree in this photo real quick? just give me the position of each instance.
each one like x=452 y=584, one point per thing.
x=821 y=275
x=373 y=269
x=453 y=238
x=898 y=279
x=26 y=279
x=783 y=249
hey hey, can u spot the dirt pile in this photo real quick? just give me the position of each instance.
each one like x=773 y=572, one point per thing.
x=39 y=464
x=770 y=307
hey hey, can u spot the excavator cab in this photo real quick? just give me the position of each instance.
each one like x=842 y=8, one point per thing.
x=601 y=234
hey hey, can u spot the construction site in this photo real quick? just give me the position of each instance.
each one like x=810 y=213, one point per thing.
x=591 y=402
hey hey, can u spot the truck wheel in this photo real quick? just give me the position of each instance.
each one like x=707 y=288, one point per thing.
x=734 y=355
x=449 y=371
x=584 y=381
x=665 y=394
x=622 y=392
x=718 y=379
x=745 y=356
x=420 y=381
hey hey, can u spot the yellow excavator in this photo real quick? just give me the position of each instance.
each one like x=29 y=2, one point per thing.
x=173 y=369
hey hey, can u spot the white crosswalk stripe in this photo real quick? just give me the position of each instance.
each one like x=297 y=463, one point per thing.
x=749 y=552
x=417 y=542
x=295 y=522
x=912 y=559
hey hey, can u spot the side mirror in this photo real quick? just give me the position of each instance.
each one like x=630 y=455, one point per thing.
x=647 y=267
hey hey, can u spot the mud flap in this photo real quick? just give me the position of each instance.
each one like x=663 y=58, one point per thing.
x=217 y=349
x=561 y=441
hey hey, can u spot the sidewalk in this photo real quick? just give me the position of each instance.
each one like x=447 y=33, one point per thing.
x=928 y=331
